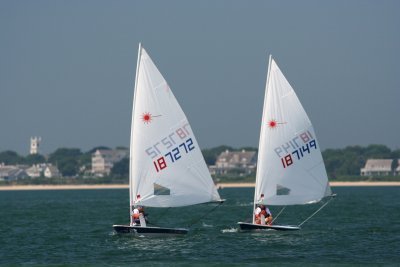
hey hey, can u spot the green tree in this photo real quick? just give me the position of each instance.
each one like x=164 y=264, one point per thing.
x=378 y=152
x=247 y=148
x=396 y=157
x=10 y=158
x=121 y=168
x=396 y=154
x=98 y=148
x=67 y=160
x=333 y=161
x=34 y=159
x=86 y=160
x=349 y=161
x=69 y=167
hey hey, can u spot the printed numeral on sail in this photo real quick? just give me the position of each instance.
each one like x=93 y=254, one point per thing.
x=173 y=155
x=295 y=149
x=166 y=143
x=169 y=141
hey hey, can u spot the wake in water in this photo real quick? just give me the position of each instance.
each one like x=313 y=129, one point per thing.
x=208 y=225
x=246 y=204
x=230 y=230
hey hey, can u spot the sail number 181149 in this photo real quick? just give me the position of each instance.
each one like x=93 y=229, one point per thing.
x=298 y=153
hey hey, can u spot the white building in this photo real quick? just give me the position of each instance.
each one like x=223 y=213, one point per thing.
x=52 y=172
x=34 y=171
x=11 y=172
x=378 y=167
x=104 y=160
x=236 y=162
x=43 y=169
x=35 y=141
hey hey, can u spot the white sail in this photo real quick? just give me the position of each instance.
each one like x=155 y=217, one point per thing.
x=290 y=168
x=167 y=168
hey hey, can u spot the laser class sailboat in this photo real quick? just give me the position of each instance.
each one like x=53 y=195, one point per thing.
x=290 y=168
x=167 y=168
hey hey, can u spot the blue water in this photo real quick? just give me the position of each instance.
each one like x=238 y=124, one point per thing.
x=74 y=227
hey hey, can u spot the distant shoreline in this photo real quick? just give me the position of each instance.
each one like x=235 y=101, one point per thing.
x=125 y=186
x=334 y=184
x=62 y=187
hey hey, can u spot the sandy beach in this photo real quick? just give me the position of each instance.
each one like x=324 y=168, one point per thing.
x=125 y=186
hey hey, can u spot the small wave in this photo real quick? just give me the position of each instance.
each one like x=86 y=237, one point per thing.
x=230 y=230
x=244 y=204
x=207 y=225
x=112 y=233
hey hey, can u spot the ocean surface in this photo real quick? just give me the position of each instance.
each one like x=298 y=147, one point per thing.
x=74 y=227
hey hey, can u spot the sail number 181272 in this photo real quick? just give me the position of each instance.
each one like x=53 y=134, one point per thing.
x=173 y=155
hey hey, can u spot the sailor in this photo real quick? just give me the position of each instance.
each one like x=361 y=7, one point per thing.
x=257 y=215
x=135 y=216
x=141 y=211
x=267 y=214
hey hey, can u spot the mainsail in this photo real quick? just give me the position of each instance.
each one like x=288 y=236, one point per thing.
x=290 y=168
x=167 y=168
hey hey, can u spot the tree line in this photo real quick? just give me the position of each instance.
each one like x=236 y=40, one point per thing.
x=70 y=161
x=340 y=163
x=347 y=162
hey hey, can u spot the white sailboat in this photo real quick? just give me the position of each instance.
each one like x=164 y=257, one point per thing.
x=290 y=168
x=167 y=168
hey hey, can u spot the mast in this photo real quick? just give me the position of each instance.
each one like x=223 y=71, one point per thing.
x=130 y=142
x=260 y=151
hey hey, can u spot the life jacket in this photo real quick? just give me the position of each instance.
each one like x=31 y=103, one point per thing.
x=263 y=212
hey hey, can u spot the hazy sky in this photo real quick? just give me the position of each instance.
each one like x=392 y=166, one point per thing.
x=67 y=68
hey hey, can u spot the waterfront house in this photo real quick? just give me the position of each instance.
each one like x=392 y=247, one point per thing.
x=377 y=167
x=43 y=169
x=236 y=163
x=37 y=170
x=34 y=171
x=52 y=171
x=12 y=172
x=103 y=160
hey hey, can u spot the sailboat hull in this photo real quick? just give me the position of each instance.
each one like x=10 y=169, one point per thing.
x=147 y=231
x=250 y=226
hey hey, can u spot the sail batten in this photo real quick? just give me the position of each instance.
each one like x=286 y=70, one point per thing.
x=290 y=168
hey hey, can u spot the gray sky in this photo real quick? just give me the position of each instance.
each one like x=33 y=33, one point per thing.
x=67 y=68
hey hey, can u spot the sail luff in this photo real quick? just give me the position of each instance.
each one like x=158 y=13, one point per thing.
x=260 y=150
x=132 y=131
